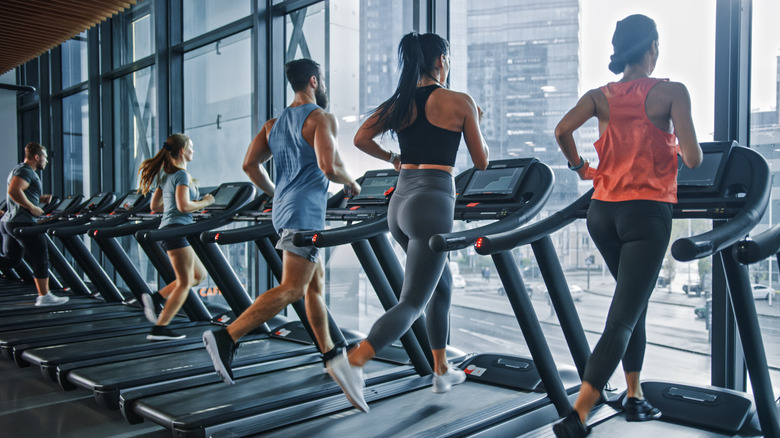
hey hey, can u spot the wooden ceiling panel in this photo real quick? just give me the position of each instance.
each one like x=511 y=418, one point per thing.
x=29 y=28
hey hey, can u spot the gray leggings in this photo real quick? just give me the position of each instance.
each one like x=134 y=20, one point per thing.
x=422 y=205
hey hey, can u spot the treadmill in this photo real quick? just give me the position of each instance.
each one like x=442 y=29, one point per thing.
x=732 y=187
x=268 y=389
x=102 y=321
x=20 y=277
x=512 y=191
x=53 y=211
x=109 y=381
x=229 y=198
x=84 y=297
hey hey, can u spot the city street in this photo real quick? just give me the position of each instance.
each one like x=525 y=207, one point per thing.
x=678 y=342
x=482 y=321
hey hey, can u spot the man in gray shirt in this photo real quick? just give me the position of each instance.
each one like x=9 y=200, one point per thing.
x=24 y=194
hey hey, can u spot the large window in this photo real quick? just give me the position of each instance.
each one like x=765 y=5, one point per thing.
x=133 y=34
x=201 y=16
x=218 y=108
x=75 y=145
x=218 y=96
x=135 y=111
x=765 y=138
x=526 y=65
x=74 y=60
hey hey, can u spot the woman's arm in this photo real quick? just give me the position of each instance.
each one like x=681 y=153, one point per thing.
x=185 y=205
x=564 y=132
x=472 y=135
x=364 y=140
x=683 y=125
x=156 y=204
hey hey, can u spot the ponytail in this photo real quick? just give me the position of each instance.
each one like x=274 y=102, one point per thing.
x=163 y=160
x=417 y=55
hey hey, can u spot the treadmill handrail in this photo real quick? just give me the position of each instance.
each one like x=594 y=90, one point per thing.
x=220 y=218
x=127 y=229
x=492 y=244
x=343 y=235
x=72 y=230
x=238 y=235
x=461 y=239
x=723 y=236
x=40 y=229
x=757 y=248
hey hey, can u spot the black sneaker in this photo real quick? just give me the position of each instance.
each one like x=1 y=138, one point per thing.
x=222 y=349
x=163 y=333
x=640 y=410
x=571 y=427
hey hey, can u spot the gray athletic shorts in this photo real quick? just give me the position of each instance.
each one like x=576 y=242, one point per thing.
x=285 y=243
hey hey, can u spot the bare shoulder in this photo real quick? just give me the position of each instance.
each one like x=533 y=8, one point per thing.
x=672 y=89
x=269 y=124
x=319 y=116
x=458 y=98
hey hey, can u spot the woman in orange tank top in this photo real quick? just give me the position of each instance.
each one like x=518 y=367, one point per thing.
x=643 y=123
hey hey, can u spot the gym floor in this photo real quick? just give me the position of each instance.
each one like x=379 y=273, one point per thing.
x=31 y=406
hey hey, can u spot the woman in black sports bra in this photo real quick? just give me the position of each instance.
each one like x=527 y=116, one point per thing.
x=429 y=120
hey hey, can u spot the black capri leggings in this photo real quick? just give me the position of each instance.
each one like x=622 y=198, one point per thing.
x=422 y=205
x=33 y=248
x=632 y=236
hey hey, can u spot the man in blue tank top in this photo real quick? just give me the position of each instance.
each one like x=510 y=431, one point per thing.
x=302 y=142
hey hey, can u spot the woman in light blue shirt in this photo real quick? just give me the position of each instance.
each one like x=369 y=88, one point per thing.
x=175 y=195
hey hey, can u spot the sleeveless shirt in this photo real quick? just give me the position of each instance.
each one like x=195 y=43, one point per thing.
x=422 y=142
x=301 y=193
x=637 y=161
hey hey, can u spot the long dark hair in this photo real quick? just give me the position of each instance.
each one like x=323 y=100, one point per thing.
x=417 y=55
x=172 y=148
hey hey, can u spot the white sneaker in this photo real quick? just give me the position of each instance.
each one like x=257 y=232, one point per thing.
x=443 y=383
x=149 y=310
x=50 y=300
x=349 y=378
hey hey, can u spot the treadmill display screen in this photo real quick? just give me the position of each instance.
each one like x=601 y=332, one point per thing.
x=129 y=201
x=375 y=187
x=64 y=205
x=703 y=176
x=493 y=181
x=224 y=196
x=93 y=202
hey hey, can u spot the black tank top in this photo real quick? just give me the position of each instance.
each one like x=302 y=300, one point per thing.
x=423 y=143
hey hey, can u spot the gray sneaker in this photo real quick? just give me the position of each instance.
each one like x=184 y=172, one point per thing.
x=149 y=310
x=50 y=300
x=443 y=383
x=349 y=378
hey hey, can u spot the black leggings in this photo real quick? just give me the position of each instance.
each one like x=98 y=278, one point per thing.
x=632 y=236
x=422 y=205
x=33 y=248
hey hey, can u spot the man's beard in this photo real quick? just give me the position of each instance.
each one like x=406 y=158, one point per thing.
x=321 y=98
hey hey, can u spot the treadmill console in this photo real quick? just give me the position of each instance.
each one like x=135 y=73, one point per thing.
x=711 y=190
x=129 y=201
x=377 y=186
x=224 y=196
x=66 y=203
x=95 y=202
x=492 y=193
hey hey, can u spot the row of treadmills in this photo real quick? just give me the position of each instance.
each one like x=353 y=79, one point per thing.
x=97 y=341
